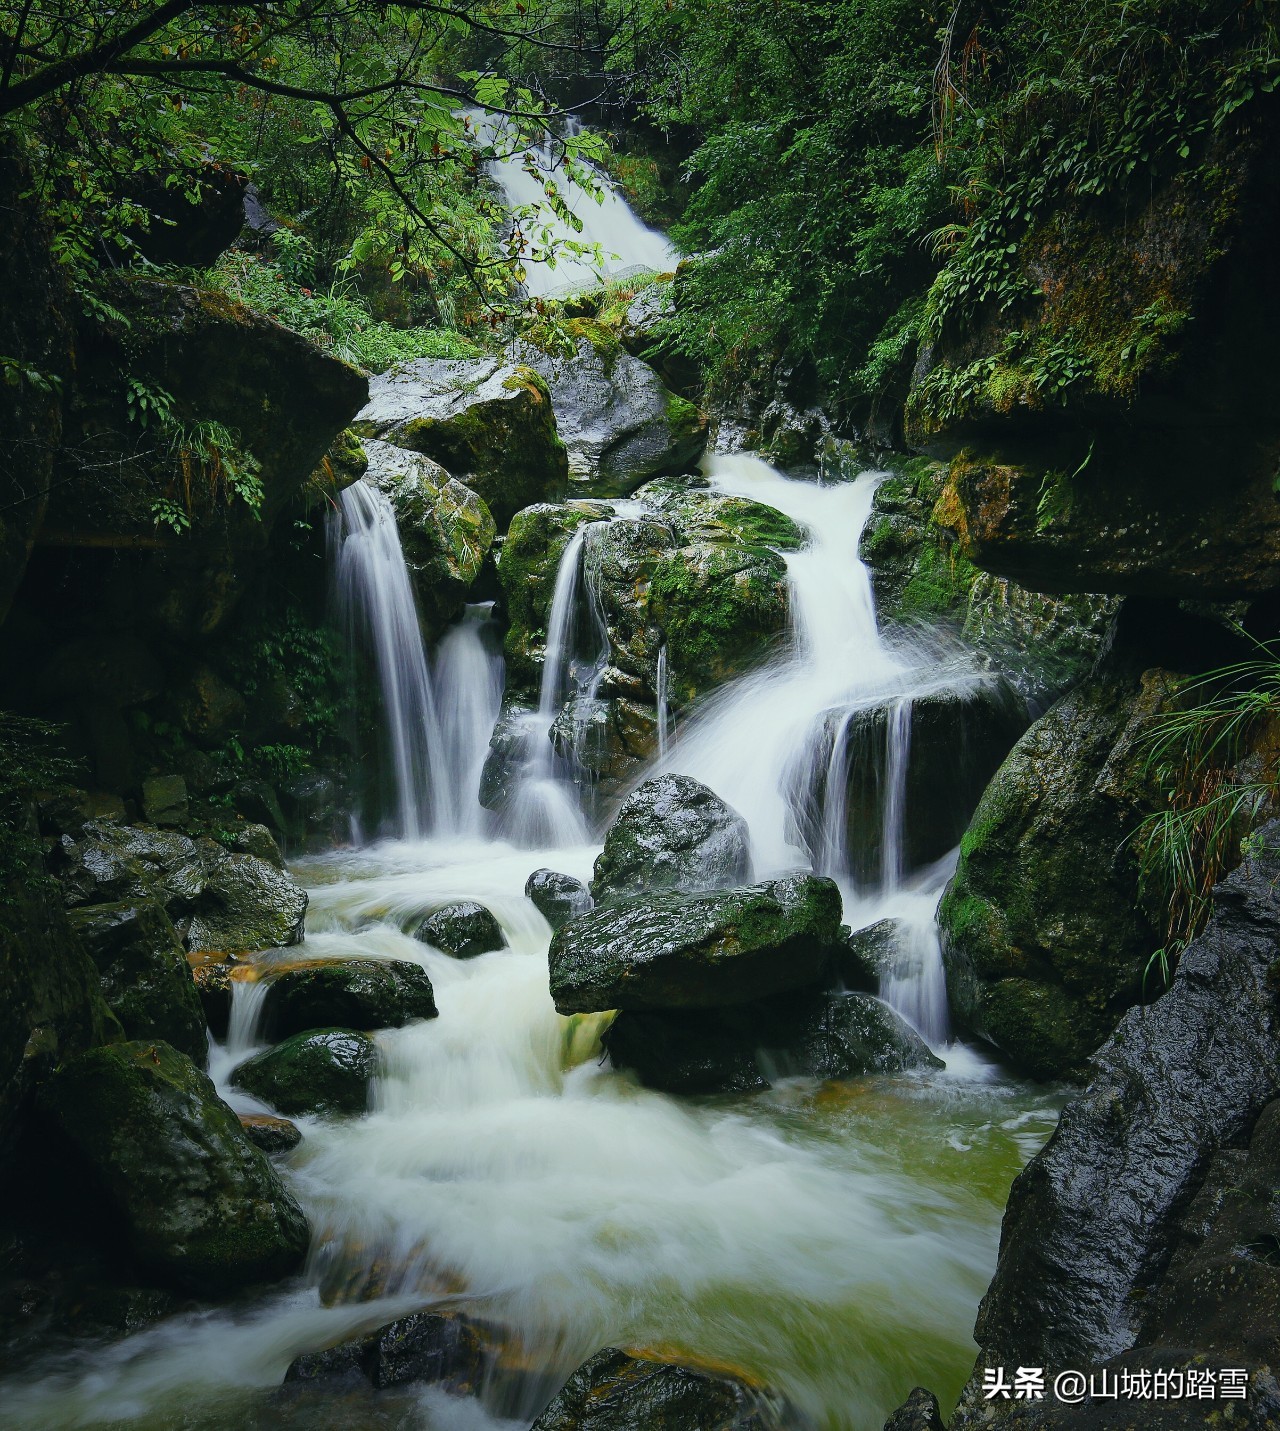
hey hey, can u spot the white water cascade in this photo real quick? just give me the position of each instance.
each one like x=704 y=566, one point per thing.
x=625 y=243
x=831 y=1240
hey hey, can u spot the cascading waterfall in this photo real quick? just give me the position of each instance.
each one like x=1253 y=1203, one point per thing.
x=437 y=721
x=625 y=243
x=664 y=702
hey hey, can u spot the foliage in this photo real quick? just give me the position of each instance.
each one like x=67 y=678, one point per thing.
x=1198 y=755
x=31 y=760
x=338 y=318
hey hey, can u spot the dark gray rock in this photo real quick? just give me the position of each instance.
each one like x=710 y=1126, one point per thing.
x=198 y=1203
x=324 y=1071
x=867 y=955
x=697 y=951
x=246 y=904
x=738 y=1049
x=558 y=897
x=672 y=833
x=164 y=800
x=144 y=973
x=1091 y=1220
x=617 y=1390
x=361 y=994
x=429 y=1348
x=463 y=929
x=919 y=1412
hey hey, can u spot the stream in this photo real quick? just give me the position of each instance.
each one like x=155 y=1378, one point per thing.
x=832 y=1239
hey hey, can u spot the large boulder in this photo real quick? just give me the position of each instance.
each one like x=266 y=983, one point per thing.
x=1095 y=1220
x=326 y=1071
x=490 y=424
x=144 y=973
x=674 y=833
x=446 y=530
x=1045 y=937
x=679 y=951
x=617 y=1390
x=735 y=1049
x=361 y=994
x=198 y=1204
x=557 y=897
x=51 y=1004
x=619 y=424
x=246 y=904
x=464 y=930
x=1041 y=644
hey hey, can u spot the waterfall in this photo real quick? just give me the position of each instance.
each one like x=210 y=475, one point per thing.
x=437 y=728
x=896 y=757
x=661 y=682
x=625 y=242
x=375 y=601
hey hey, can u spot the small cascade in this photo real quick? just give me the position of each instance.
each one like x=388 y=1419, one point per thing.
x=544 y=809
x=897 y=756
x=625 y=242
x=376 y=605
x=664 y=717
x=468 y=677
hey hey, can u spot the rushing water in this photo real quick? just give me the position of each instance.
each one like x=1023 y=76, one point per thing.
x=625 y=243
x=833 y=1239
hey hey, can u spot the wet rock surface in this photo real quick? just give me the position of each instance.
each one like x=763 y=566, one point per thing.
x=324 y=1071
x=433 y=1348
x=1045 y=938
x=696 y=951
x=1092 y=1224
x=616 y=1390
x=673 y=833
x=361 y=994
x=463 y=930
x=272 y=1135
x=144 y=973
x=490 y=424
x=558 y=897
x=740 y=1049
x=199 y=1205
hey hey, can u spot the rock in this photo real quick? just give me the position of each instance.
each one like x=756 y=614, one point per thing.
x=362 y=994
x=258 y=803
x=144 y=974
x=213 y=976
x=1041 y=644
x=919 y=1412
x=109 y=863
x=446 y=530
x=272 y=1135
x=164 y=800
x=557 y=897
x=325 y=1071
x=463 y=929
x=619 y=424
x=51 y=1004
x=737 y=1049
x=246 y=904
x=1045 y=938
x=673 y=833
x=867 y=955
x=427 y=1348
x=209 y=710
x=198 y=1203
x=696 y=951
x=1092 y=1219
x=490 y=424
x=258 y=841
x=617 y=1390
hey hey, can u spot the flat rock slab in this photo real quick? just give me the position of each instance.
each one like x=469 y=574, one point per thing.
x=679 y=951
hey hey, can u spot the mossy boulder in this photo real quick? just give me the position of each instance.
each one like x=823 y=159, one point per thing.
x=737 y=1049
x=673 y=833
x=681 y=951
x=272 y=1135
x=1045 y=936
x=618 y=1390
x=51 y=1004
x=144 y=973
x=246 y=903
x=198 y=1204
x=557 y=897
x=920 y=574
x=463 y=930
x=619 y=424
x=488 y=423
x=325 y=1071
x=361 y=994
x=867 y=956
x=446 y=530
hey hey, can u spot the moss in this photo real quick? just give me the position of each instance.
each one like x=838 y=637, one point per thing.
x=941 y=584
